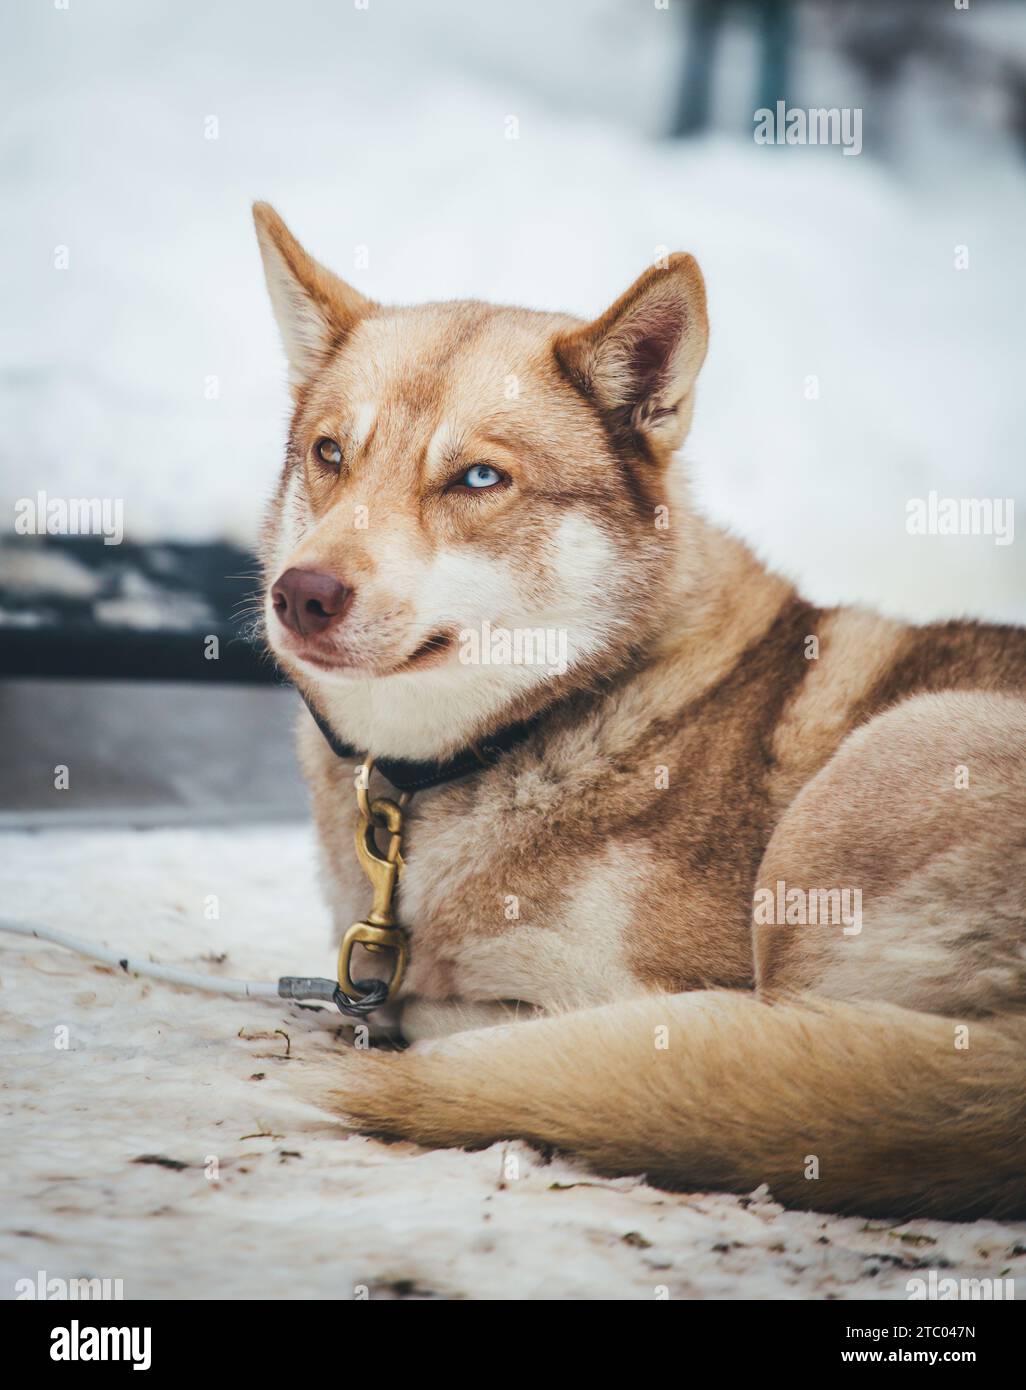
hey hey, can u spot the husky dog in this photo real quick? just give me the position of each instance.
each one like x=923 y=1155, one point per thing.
x=633 y=934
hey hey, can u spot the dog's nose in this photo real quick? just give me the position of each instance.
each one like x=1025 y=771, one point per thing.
x=308 y=601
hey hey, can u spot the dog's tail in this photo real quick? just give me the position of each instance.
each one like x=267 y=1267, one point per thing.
x=837 y=1106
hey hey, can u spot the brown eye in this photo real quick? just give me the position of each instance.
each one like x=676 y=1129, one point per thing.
x=328 y=451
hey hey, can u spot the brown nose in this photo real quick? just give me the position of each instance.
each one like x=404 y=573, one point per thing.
x=308 y=601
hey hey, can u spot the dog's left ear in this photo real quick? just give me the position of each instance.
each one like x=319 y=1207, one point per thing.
x=314 y=308
x=639 y=360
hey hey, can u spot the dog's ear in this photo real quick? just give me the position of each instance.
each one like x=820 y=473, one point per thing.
x=314 y=308
x=639 y=360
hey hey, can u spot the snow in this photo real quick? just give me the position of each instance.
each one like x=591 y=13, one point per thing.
x=382 y=131
x=300 y=1208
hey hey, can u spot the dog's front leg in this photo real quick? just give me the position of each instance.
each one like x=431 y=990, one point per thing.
x=423 y=1020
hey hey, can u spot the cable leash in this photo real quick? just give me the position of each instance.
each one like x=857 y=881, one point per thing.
x=295 y=987
x=378 y=933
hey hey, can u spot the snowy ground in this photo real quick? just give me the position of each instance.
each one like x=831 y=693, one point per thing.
x=107 y=1143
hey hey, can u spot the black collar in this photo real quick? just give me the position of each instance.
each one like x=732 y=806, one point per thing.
x=408 y=776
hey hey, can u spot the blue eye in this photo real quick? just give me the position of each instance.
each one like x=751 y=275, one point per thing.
x=481 y=475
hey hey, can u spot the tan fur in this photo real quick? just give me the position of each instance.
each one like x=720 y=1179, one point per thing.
x=744 y=1093
x=698 y=749
x=940 y=865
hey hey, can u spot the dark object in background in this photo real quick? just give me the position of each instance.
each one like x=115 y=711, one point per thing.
x=705 y=23
x=107 y=669
x=72 y=607
x=980 y=69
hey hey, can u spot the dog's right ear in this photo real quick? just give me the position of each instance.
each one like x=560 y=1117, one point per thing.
x=314 y=308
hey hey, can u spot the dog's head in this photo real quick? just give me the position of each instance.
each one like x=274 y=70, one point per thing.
x=472 y=514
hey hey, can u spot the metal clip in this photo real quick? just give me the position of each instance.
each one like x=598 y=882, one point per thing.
x=379 y=931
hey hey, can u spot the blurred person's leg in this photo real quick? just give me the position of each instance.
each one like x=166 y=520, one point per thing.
x=775 y=34
x=704 y=22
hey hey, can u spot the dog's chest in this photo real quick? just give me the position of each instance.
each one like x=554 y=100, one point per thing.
x=503 y=899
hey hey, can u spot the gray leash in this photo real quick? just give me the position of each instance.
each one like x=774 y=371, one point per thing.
x=299 y=987
x=294 y=987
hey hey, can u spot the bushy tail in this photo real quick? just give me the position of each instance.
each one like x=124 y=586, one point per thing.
x=841 y=1107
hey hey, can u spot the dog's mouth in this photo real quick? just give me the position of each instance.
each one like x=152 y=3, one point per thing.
x=309 y=658
x=431 y=652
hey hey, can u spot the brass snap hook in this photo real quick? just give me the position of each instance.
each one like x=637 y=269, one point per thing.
x=379 y=931
x=372 y=938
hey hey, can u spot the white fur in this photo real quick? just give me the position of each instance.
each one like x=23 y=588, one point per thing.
x=441 y=441
x=305 y=332
x=406 y=600
x=294 y=522
x=573 y=961
x=363 y=421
